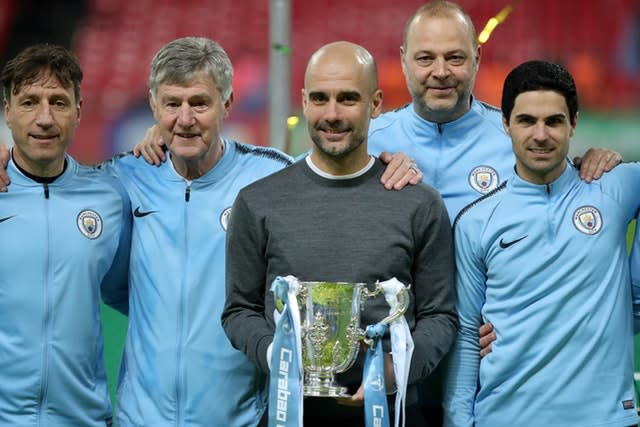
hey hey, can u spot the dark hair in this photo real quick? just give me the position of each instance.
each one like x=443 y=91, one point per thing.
x=539 y=75
x=37 y=61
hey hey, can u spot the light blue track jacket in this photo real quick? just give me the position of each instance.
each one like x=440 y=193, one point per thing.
x=60 y=242
x=547 y=266
x=179 y=368
x=635 y=270
x=462 y=159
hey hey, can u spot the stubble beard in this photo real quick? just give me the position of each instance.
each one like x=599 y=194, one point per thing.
x=338 y=151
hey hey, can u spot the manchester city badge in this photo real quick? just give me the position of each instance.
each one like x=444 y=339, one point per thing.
x=483 y=179
x=587 y=220
x=89 y=224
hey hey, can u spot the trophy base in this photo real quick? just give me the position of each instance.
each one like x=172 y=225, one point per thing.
x=322 y=384
x=325 y=391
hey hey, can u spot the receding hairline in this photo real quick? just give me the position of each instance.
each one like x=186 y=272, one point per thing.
x=440 y=9
x=347 y=49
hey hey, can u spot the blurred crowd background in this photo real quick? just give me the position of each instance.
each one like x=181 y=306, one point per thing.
x=597 y=40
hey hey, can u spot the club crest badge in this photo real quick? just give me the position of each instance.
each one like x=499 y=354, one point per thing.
x=483 y=179
x=224 y=218
x=89 y=224
x=587 y=220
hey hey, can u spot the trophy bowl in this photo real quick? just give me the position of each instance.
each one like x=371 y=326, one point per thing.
x=330 y=333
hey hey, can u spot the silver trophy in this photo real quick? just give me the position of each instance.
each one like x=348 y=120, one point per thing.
x=330 y=330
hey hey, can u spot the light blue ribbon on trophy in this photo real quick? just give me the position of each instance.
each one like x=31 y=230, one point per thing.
x=401 y=343
x=376 y=410
x=285 y=385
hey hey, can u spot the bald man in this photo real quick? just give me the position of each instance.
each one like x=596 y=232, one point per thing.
x=327 y=218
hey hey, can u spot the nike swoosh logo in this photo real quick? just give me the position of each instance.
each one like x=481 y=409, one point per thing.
x=505 y=245
x=139 y=214
x=6 y=218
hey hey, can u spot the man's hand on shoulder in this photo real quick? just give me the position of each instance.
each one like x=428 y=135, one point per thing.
x=151 y=147
x=401 y=170
x=4 y=161
x=595 y=162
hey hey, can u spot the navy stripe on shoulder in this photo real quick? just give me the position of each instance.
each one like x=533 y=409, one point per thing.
x=102 y=164
x=123 y=154
x=262 y=152
x=573 y=165
x=478 y=200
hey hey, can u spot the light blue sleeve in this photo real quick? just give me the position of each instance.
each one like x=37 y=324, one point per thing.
x=622 y=184
x=115 y=165
x=635 y=278
x=464 y=359
x=115 y=285
x=625 y=189
x=114 y=288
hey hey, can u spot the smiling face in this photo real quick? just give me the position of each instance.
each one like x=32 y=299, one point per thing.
x=339 y=99
x=540 y=127
x=440 y=62
x=42 y=116
x=190 y=118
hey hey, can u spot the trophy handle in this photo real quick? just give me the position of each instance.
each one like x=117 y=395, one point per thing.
x=365 y=293
x=402 y=296
x=403 y=304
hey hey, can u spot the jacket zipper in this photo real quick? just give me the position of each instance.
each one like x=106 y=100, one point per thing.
x=182 y=313
x=46 y=318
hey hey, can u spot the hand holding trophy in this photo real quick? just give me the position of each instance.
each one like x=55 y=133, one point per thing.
x=325 y=316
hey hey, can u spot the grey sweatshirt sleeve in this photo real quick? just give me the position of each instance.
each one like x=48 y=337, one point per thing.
x=244 y=320
x=434 y=290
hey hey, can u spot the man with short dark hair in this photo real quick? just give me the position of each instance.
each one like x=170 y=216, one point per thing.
x=65 y=232
x=543 y=258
